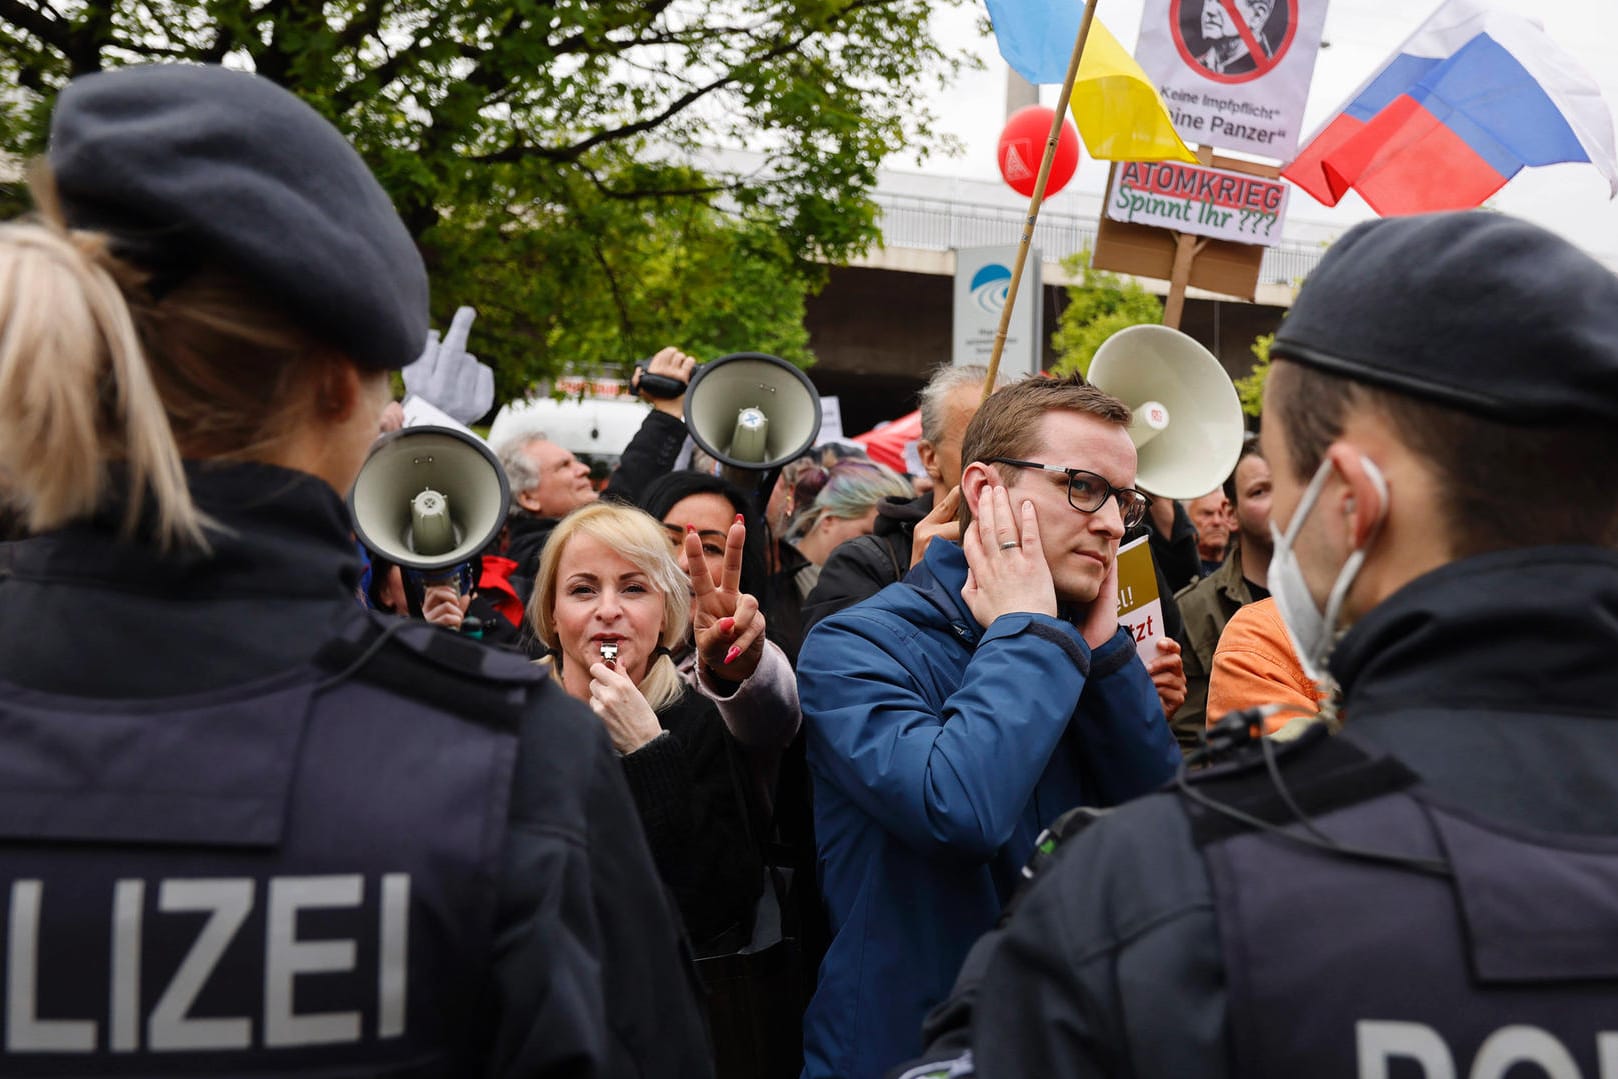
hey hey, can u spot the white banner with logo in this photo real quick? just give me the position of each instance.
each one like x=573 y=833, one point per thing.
x=982 y=284
x=1233 y=73
x=1198 y=199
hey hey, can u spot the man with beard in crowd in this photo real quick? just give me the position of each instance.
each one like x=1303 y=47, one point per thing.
x=1207 y=605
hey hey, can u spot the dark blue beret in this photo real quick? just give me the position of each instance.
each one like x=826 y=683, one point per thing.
x=1476 y=311
x=182 y=163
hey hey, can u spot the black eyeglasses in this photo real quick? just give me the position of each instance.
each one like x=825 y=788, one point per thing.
x=1088 y=492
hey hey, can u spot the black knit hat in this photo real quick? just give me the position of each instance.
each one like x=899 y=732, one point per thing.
x=183 y=162
x=1476 y=311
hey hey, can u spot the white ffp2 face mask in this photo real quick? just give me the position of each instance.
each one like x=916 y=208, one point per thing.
x=1313 y=632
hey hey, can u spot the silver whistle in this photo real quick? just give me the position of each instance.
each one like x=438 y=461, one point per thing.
x=609 y=651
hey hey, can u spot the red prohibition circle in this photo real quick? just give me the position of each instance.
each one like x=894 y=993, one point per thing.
x=1262 y=65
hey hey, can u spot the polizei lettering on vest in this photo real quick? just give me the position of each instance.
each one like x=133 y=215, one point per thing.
x=1379 y=1043
x=173 y=1024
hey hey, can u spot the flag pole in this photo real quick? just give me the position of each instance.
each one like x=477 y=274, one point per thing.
x=1186 y=249
x=1038 y=196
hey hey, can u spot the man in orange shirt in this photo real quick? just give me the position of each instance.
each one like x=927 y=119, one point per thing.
x=1255 y=665
x=1208 y=604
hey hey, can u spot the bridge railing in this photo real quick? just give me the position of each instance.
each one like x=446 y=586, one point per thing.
x=942 y=224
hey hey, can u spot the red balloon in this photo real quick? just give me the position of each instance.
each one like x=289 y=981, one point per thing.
x=1022 y=147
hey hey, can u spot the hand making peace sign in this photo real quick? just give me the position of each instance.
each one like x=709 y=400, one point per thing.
x=728 y=625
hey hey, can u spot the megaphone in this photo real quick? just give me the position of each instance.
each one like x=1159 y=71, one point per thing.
x=429 y=498
x=1188 y=425
x=752 y=411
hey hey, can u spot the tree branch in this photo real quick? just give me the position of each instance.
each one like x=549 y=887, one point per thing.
x=367 y=23
x=148 y=48
x=384 y=74
x=617 y=293
x=519 y=150
x=634 y=194
x=47 y=29
x=646 y=15
x=269 y=60
x=224 y=39
x=88 y=37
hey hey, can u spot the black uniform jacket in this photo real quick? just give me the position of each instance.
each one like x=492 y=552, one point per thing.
x=585 y=972
x=1491 y=678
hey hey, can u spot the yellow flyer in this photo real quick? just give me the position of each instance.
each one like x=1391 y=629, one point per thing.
x=1139 y=606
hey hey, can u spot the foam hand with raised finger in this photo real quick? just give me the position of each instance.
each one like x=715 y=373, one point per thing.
x=450 y=378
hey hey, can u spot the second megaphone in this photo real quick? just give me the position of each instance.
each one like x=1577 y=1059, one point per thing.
x=1188 y=425
x=752 y=411
x=429 y=498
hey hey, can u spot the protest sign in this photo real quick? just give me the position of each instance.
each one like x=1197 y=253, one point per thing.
x=1197 y=199
x=1140 y=608
x=1233 y=73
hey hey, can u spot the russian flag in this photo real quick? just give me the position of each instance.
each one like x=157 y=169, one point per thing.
x=1469 y=100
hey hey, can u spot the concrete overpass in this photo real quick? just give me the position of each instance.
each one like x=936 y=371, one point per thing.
x=884 y=320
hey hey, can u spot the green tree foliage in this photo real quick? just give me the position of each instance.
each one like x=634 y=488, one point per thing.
x=1250 y=387
x=549 y=155
x=1099 y=304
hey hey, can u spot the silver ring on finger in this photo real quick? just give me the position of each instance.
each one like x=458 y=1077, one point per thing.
x=1009 y=544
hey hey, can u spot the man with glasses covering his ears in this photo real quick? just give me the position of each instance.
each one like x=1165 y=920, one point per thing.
x=953 y=716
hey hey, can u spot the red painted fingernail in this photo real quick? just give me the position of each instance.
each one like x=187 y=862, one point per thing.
x=738 y=518
x=690 y=528
x=735 y=650
x=726 y=625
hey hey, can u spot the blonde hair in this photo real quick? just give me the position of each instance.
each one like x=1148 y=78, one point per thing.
x=95 y=373
x=641 y=539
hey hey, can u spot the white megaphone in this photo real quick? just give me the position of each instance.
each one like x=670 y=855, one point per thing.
x=752 y=411
x=429 y=498
x=1188 y=425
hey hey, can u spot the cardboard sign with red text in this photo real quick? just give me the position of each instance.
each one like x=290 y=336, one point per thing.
x=1198 y=199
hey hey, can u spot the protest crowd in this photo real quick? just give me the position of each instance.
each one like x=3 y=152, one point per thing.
x=814 y=769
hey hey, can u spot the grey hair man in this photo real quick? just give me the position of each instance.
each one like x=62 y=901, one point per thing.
x=863 y=566
x=548 y=481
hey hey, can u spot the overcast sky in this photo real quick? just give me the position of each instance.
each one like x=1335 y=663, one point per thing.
x=1571 y=199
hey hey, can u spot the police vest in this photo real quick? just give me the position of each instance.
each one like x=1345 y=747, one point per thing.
x=295 y=877
x=1344 y=967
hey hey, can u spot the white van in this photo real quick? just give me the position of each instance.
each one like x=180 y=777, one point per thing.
x=596 y=429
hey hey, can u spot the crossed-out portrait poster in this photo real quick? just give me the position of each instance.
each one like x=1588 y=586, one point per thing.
x=1233 y=73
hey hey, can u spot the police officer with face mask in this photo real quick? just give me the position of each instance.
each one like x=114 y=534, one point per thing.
x=245 y=827
x=1434 y=891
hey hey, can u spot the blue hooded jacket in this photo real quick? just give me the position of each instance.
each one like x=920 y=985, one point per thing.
x=939 y=750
